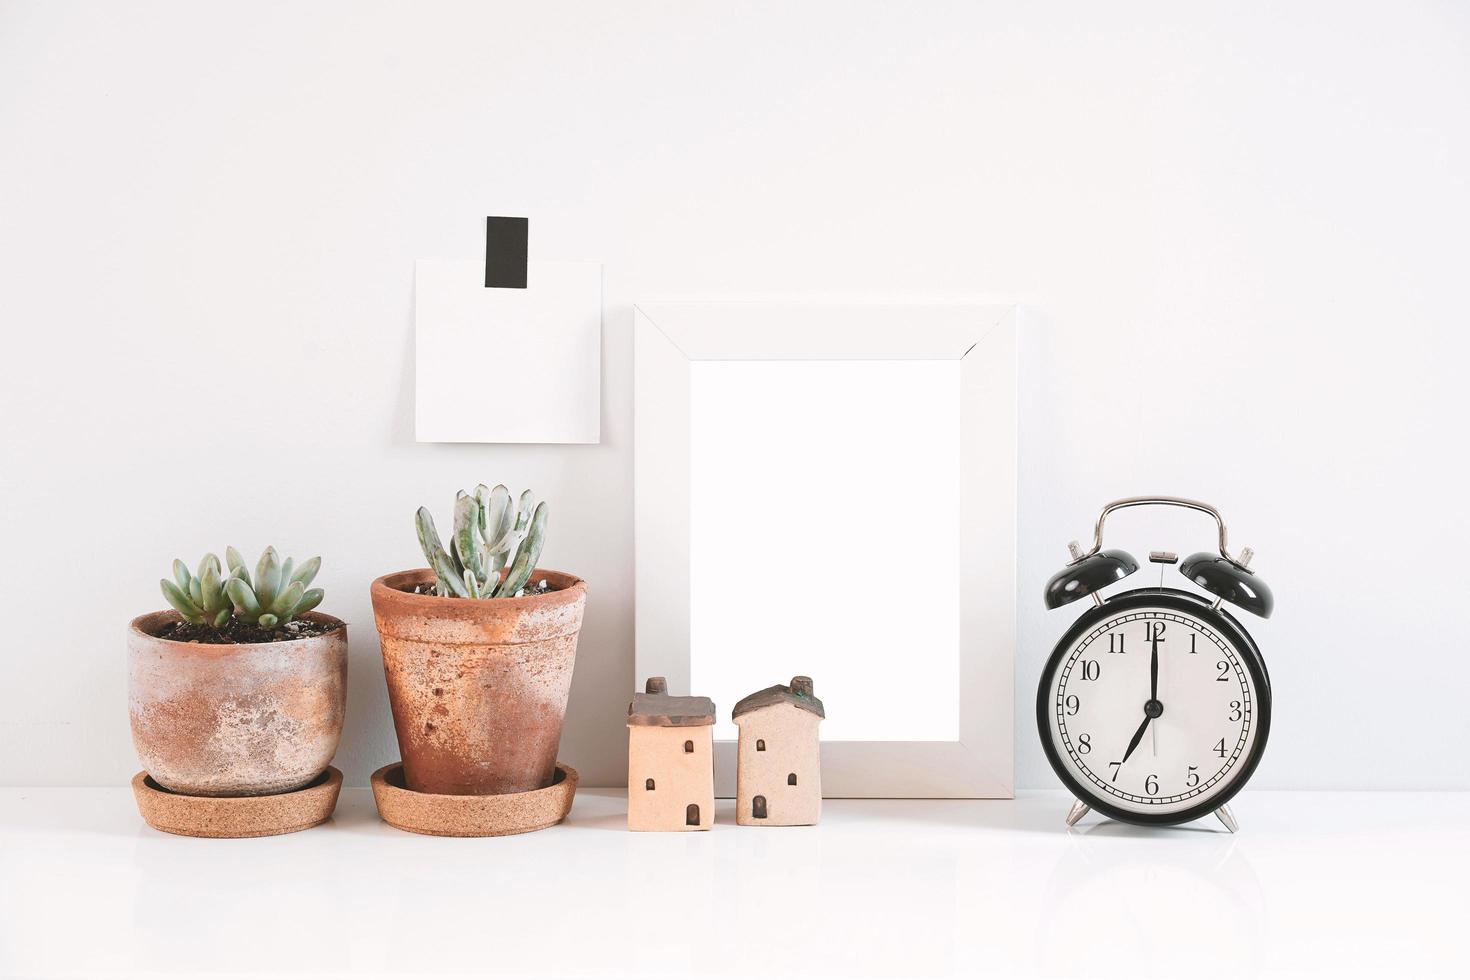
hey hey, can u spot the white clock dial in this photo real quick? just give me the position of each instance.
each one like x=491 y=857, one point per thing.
x=1147 y=750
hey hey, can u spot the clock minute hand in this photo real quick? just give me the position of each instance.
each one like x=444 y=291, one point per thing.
x=1153 y=674
x=1137 y=737
x=1153 y=688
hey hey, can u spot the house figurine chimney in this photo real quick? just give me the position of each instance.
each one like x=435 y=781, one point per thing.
x=660 y=685
x=801 y=687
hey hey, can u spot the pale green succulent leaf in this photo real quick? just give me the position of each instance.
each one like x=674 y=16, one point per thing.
x=527 y=554
x=180 y=601
x=450 y=579
x=181 y=575
x=524 y=512
x=285 y=603
x=307 y=572
x=429 y=541
x=211 y=591
x=466 y=524
x=247 y=605
x=500 y=532
x=267 y=577
x=236 y=561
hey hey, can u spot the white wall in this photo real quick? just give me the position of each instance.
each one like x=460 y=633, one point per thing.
x=1239 y=230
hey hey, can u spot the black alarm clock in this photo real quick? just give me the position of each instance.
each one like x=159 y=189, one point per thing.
x=1155 y=706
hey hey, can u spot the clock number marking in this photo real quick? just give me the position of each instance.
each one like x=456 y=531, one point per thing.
x=1192 y=780
x=1235 y=711
x=1115 y=643
x=1151 y=785
x=1220 y=748
x=1072 y=704
x=1117 y=766
x=1192 y=638
x=1084 y=743
x=1153 y=633
x=1224 y=669
x=1090 y=669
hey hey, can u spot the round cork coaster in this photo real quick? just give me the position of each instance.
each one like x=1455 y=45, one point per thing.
x=472 y=816
x=237 y=816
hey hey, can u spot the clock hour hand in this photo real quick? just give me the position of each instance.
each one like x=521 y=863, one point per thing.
x=1137 y=736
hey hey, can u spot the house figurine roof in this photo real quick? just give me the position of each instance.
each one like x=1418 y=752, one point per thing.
x=656 y=707
x=799 y=693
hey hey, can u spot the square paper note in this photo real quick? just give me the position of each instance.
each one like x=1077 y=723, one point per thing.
x=507 y=365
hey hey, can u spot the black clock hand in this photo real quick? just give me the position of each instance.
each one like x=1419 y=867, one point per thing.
x=1153 y=686
x=1137 y=737
x=1153 y=698
x=1153 y=674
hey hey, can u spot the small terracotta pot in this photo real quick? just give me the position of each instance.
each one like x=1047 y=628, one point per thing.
x=478 y=686
x=248 y=719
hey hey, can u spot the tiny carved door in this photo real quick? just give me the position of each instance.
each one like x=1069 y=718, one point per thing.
x=758 y=808
x=691 y=815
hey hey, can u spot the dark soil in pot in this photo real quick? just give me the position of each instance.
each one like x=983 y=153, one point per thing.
x=236 y=632
x=538 y=587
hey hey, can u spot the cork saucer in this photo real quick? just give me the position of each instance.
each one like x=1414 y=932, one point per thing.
x=237 y=816
x=472 y=816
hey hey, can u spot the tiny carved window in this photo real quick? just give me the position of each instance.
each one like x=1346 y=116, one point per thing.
x=688 y=746
x=791 y=779
x=758 y=808
x=760 y=745
x=648 y=784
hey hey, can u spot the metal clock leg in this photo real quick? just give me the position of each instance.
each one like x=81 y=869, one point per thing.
x=1227 y=818
x=1078 y=811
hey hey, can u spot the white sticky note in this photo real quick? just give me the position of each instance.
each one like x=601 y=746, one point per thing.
x=507 y=365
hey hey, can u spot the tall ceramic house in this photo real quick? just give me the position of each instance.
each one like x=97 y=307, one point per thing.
x=671 y=768
x=779 y=778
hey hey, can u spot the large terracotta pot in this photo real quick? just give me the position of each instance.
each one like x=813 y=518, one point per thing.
x=478 y=686
x=248 y=719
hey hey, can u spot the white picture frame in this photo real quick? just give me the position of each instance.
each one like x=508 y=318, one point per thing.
x=669 y=337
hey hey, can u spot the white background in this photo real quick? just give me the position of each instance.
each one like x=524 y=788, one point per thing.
x=1239 y=232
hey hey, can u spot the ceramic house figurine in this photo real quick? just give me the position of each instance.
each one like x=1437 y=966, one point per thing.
x=779 y=781
x=671 y=769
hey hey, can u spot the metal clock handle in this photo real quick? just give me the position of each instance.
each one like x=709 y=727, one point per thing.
x=1185 y=502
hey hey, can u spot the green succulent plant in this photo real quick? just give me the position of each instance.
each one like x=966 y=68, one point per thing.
x=276 y=595
x=200 y=598
x=491 y=530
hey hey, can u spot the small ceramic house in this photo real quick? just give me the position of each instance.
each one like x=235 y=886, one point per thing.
x=671 y=768
x=779 y=780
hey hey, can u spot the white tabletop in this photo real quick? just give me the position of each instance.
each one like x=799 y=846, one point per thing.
x=1338 y=883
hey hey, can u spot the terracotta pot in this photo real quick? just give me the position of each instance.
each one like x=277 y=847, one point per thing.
x=478 y=686
x=247 y=719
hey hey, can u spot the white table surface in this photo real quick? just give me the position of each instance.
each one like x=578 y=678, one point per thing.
x=1315 y=883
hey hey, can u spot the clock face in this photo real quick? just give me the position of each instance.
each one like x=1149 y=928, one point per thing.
x=1155 y=747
